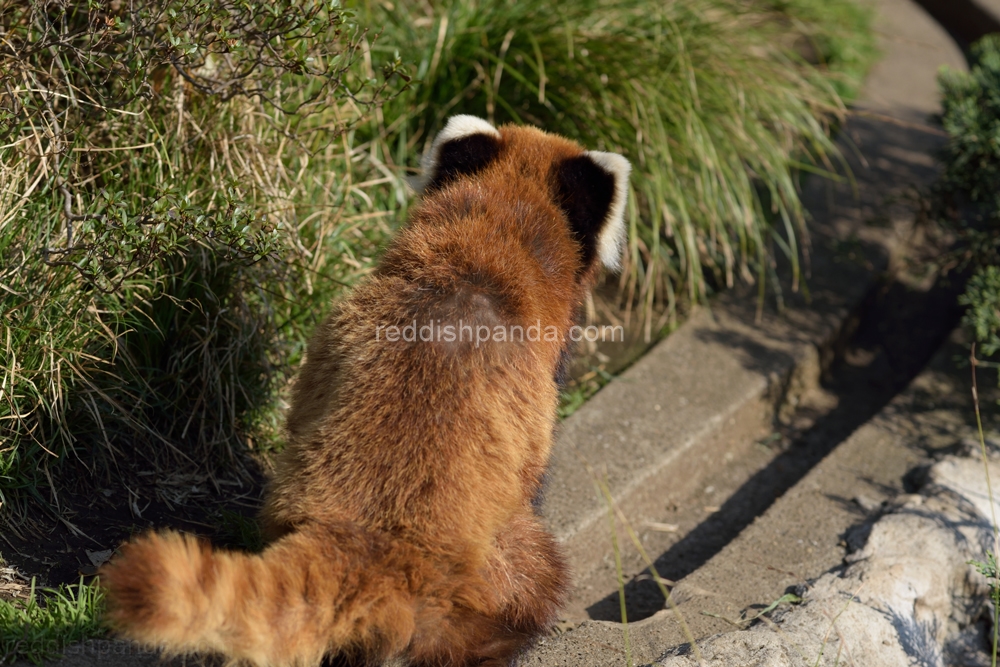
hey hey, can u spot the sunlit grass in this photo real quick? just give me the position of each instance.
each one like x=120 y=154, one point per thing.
x=40 y=627
x=165 y=249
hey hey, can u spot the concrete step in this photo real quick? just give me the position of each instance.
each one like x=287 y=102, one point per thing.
x=686 y=417
x=810 y=530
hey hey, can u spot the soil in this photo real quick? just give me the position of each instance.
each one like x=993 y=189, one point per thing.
x=62 y=549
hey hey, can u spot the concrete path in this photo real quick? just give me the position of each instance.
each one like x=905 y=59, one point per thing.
x=809 y=531
x=709 y=391
x=910 y=596
x=704 y=395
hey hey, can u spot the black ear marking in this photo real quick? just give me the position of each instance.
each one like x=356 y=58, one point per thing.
x=585 y=193
x=464 y=147
x=464 y=156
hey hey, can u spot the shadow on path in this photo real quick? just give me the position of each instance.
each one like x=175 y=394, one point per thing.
x=899 y=329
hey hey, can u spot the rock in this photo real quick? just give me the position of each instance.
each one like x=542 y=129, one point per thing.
x=866 y=503
x=899 y=601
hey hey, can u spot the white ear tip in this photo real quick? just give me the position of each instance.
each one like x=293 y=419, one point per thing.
x=463 y=125
x=613 y=162
x=457 y=127
x=611 y=241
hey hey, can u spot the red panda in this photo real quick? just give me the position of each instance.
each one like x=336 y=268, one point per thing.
x=400 y=520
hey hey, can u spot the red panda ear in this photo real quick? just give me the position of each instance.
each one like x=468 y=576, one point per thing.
x=592 y=189
x=463 y=147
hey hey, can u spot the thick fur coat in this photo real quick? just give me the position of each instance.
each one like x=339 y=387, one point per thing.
x=401 y=520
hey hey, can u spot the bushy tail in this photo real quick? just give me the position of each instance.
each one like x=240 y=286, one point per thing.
x=309 y=593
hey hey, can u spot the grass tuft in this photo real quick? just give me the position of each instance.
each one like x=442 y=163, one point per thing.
x=41 y=627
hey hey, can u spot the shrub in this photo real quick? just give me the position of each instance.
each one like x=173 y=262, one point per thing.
x=971 y=116
x=174 y=176
x=971 y=102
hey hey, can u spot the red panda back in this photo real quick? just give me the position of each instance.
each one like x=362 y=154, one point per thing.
x=401 y=510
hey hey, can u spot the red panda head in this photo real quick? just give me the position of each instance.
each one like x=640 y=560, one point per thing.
x=588 y=189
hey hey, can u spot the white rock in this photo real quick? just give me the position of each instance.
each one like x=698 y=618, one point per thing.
x=897 y=601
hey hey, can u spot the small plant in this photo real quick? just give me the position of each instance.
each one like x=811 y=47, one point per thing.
x=241 y=532
x=982 y=317
x=989 y=570
x=971 y=117
x=579 y=390
x=40 y=627
x=604 y=493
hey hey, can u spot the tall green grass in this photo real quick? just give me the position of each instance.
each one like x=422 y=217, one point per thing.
x=709 y=99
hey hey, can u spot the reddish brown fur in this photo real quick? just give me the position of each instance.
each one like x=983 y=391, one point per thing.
x=401 y=513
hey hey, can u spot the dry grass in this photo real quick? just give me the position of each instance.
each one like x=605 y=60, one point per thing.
x=180 y=184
